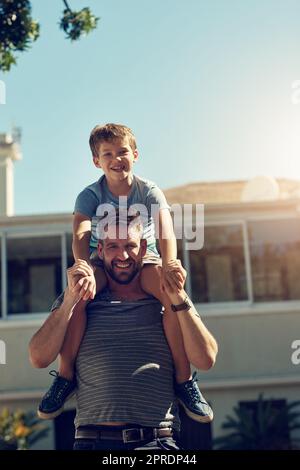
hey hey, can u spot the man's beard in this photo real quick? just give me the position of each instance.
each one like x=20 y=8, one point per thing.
x=123 y=277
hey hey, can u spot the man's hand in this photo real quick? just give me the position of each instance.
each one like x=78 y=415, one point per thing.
x=173 y=277
x=81 y=280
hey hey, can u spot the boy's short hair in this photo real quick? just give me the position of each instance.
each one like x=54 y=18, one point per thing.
x=108 y=133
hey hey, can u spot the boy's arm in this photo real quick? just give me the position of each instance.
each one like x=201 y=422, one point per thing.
x=167 y=240
x=81 y=251
x=81 y=237
x=168 y=249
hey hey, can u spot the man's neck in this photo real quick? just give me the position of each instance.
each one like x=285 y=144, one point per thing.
x=131 y=291
x=122 y=187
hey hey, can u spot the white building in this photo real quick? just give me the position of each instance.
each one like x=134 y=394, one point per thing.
x=244 y=282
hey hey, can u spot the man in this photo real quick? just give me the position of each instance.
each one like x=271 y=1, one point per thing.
x=124 y=370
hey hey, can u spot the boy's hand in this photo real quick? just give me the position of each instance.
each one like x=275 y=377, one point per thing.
x=81 y=278
x=173 y=276
x=88 y=287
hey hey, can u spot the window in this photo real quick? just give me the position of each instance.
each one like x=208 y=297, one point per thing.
x=275 y=259
x=218 y=272
x=33 y=273
x=180 y=252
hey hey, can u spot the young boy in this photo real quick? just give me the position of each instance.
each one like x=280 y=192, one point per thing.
x=114 y=150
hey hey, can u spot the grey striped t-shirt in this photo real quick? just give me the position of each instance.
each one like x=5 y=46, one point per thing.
x=124 y=367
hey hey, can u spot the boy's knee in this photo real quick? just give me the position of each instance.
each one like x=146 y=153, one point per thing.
x=150 y=280
x=100 y=278
x=150 y=270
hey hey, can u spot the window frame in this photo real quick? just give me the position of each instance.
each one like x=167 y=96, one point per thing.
x=238 y=303
x=18 y=232
x=238 y=306
x=270 y=217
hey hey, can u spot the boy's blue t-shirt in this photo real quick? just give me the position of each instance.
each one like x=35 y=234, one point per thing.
x=93 y=199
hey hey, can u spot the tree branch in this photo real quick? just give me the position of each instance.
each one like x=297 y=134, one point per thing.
x=67 y=6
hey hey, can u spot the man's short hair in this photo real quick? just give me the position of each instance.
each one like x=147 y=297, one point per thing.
x=121 y=223
x=109 y=133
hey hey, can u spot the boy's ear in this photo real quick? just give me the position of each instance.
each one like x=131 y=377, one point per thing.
x=135 y=154
x=96 y=161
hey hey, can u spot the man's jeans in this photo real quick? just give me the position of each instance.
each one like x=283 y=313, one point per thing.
x=161 y=443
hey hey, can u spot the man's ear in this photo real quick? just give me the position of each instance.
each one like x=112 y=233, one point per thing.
x=100 y=249
x=96 y=161
x=143 y=247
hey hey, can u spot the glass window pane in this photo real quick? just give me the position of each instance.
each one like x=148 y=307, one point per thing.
x=34 y=273
x=218 y=272
x=275 y=259
x=180 y=252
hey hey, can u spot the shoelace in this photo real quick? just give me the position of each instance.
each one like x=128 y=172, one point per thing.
x=57 y=389
x=193 y=389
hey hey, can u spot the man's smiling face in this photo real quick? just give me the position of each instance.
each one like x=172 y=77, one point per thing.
x=122 y=257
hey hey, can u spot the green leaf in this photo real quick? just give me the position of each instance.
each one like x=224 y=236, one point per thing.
x=78 y=23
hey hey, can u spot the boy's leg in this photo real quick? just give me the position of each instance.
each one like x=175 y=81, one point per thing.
x=72 y=340
x=100 y=276
x=186 y=387
x=76 y=330
x=150 y=282
x=64 y=383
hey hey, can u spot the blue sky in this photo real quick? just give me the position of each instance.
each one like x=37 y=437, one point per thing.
x=205 y=85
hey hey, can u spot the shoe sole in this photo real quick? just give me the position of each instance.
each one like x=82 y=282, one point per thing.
x=56 y=413
x=195 y=417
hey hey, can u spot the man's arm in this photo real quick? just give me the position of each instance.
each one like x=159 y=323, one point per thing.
x=200 y=346
x=47 y=342
x=45 y=345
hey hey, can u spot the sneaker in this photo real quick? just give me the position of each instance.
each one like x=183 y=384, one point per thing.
x=53 y=401
x=193 y=402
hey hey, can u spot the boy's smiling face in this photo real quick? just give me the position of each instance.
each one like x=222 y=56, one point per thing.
x=116 y=159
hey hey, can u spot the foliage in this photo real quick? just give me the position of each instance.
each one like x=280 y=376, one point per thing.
x=19 y=429
x=18 y=30
x=267 y=429
x=78 y=23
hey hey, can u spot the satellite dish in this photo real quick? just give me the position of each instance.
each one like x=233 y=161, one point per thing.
x=261 y=188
